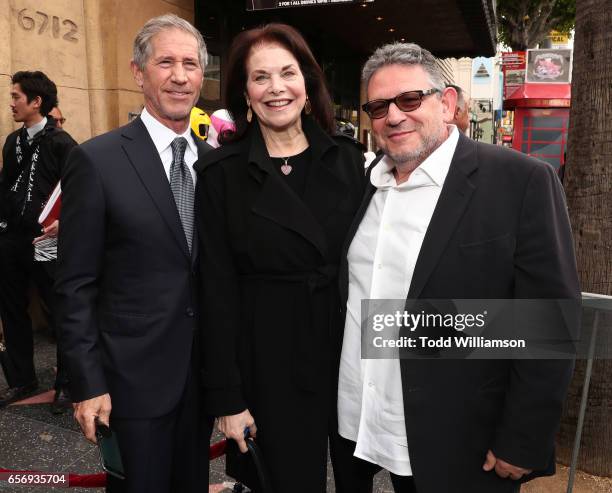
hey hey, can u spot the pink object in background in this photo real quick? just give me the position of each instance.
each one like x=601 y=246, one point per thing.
x=220 y=121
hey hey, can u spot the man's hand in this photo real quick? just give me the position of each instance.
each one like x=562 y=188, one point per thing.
x=48 y=232
x=502 y=468
x=233 y=427
x=85 y=412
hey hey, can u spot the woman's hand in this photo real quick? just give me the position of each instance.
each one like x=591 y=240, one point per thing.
x=233 y=427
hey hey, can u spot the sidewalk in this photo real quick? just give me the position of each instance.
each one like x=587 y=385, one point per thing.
x=31 y=438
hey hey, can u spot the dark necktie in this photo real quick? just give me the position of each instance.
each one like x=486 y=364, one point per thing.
x=181 y=184
x=23 y=137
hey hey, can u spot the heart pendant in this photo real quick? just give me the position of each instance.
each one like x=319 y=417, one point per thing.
x=286 y=169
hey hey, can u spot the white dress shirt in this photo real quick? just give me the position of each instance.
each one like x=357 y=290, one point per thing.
x=162 y=138
x=381 y=261
x=34 y=129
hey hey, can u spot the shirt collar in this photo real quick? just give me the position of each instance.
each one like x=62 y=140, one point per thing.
x=37 y=127
x=163 y=136
x=432 y=171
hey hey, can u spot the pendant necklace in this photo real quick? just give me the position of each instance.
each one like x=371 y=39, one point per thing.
x=286 y=168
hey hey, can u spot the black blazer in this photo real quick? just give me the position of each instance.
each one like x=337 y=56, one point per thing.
x=500 y=230
x=55 y=145
x=269 y=264
x=126 y=281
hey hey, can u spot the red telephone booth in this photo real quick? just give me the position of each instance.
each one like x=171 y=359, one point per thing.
x=541 y=116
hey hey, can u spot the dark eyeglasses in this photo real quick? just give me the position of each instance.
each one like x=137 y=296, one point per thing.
x=406 y=101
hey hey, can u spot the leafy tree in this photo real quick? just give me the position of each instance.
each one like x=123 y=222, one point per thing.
x=525 y=23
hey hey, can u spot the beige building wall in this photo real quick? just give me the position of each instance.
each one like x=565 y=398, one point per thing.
x=464 y=75
x=85 y=47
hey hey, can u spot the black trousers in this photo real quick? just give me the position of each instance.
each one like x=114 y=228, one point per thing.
x=17 y=271
x=168 y=454
x=354 y=475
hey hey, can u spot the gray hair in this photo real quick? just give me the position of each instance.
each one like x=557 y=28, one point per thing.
x=404 y=54
x=142 y=41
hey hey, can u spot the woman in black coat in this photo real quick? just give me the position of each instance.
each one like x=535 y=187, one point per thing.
x=273 y=207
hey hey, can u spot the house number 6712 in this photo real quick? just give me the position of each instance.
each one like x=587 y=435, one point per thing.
x=40 y=20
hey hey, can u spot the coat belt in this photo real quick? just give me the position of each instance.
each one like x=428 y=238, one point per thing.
x=312 y=322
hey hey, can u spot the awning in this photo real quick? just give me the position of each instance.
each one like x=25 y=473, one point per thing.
x=539 y=96
x=447 y=28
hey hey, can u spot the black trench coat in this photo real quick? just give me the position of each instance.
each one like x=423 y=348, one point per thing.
x=270 y=303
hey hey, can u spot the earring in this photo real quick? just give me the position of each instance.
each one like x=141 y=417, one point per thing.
x=249 y=115
x=307 y=106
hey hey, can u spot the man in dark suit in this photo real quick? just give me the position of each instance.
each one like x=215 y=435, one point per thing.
x=127 y=281
x=33 y=157
x=445 y=217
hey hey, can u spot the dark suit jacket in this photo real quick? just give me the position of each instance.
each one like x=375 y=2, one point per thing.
x=126 y=281
x=55 y=145
x=500 y=230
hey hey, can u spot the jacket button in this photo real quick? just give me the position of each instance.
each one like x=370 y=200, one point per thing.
x=189 y=312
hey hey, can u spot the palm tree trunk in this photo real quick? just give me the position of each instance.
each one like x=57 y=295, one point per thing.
x=589 y=193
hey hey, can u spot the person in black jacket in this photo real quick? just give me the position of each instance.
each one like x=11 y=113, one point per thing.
x=273 y=206
x=447 y=218
x=33 y=158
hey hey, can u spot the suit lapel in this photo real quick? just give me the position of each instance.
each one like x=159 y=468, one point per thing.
x=325 y=185
x=143 y=156
x=456 y=194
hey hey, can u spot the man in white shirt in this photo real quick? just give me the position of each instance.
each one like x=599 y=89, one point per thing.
x=447 y=218
x=127 y=282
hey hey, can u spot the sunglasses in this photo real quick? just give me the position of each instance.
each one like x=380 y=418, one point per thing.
x=406 y=101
